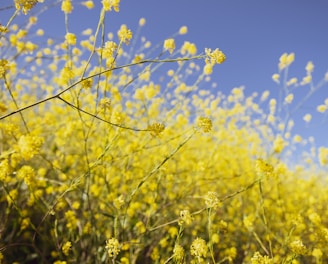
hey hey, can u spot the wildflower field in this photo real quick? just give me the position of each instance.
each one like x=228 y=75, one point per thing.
x=117 y=150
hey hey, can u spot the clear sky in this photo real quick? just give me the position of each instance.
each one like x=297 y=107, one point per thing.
x=252 y=33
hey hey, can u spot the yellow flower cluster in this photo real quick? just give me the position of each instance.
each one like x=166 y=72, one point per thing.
x=25 y=5
x=85 y=155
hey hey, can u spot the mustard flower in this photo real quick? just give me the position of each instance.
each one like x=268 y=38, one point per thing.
x=298 y=247
x=88 y=4
x=70 y=38
x=109 y=49
x=25 y=5
x=66 y=248
x=142 y=22
x=323 y=156
x=259 y=259
x=113 y=247
x=169 y=44
x=306 y=80
x=307 y=118
x=208 y=69
x=109 y=4
x=321 y=108
x=214 y=57
x=4 y=67
x=183 y=30
x=279 y=144
x=124 y=34
x=263 y=167
x=28 y=146
x=289 y=98
x=285 y=60
x=156 y=129
x=205 y=124
x=66 y=6
x=198 y=248
x=212 y=200
x=309 y=67
x=178 y=253
x=185 y=218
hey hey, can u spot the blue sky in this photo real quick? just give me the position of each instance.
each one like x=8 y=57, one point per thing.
x=252 y=33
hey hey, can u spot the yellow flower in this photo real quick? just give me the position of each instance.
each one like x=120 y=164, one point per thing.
x=124 y=34
x=205 y=124
x=289 y=98
x=214 y=57
x=323 y=156
x=4 y=67
x=297 y=247
x=66 y=6
x=307 y=118
x=178 y=253
x=198 y=248
x=309 y=67
x=183 y=30
x=285 y=60
x=70 y=38
x=322 y=108
x=109 y=4
x=113 y=247
x=276 y=77
x=212 y=200
x=208 y=69
x=66 y=248
x=156 y=129
x=185 y=218
x=142 y=22
x=307 y=79
x=88 y=4
x=169 y=44
x=26 y=5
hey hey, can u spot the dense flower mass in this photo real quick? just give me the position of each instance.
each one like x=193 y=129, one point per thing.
x=116 y=154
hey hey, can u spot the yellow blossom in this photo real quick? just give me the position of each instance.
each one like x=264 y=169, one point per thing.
x=156 y=129
x=276 y=77
x=298 y=247
x=25 y=5
x=212 y=200
x=307 y=118
x=309 y=67
x=321 y=108
x=198 y=248
x=113 y=247
x=185 y=218
x=109 y=4
x=214 y=57
x=66 y=248
x=208 y=69
x=183 y=30
x=169 y=44
x=205 y=124
x=88 y=4
x=142 y=22
x=307 y=79
x=124 y=34
x=66 y=6
x=4 y=67
x=285 y=60
x=70 y=38
x=289 y=98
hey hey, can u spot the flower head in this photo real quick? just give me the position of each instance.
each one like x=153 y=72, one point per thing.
x=25 y=5
x=124 y=34
x=113 y=247
x=214 y=57
x=198 y=248
x=169 y=44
